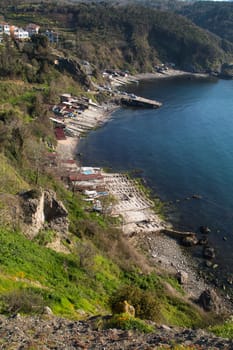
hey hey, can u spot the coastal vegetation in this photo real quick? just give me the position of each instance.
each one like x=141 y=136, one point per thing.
x=224 y=330
x=98 y=267
x=82 y=282
x=217 y=17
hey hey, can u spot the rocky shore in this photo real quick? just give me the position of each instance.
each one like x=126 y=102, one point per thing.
x=49 y=332
x=170 y=73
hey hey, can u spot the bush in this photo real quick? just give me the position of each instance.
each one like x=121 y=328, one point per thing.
x=86 y=254
x=26 y=301
x=44 y=237
x=224 y=330
x=145 y=302
x=127 y=322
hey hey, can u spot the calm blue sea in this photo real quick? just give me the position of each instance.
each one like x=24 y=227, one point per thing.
x=183 y=148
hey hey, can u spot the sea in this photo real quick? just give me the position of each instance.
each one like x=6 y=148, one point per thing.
x=183 y=149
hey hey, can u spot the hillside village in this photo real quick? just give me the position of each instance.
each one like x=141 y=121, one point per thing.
x=24 y=34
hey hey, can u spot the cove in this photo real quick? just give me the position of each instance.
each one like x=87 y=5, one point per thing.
x=183 y=148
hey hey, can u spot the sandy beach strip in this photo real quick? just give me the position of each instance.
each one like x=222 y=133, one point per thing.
x=66 y=148
x=90 y=119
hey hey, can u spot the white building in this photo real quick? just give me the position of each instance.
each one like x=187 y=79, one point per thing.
x=4 y=28
x=20 y=34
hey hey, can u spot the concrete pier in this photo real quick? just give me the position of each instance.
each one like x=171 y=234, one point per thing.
x=140 y=102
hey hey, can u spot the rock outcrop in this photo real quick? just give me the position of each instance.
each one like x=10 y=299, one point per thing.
x=182 y=277
x=186 y=238
x=56 y=215
x=210 y=301
x=42 y=210
x=32 y=203
x=209 y=253
x=124 y=307
x=74 y=68
x=204 y=229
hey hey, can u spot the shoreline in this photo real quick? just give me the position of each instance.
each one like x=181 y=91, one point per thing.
x=163 y=251
x=168 y=74
x=67 y=149
x=103 y=114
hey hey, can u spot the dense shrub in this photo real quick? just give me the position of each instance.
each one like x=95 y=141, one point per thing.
x=145 y=302
x=127 y=322
x=23 y=300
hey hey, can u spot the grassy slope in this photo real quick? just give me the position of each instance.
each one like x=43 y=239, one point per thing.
x=10 y=181
x=68 y=288
x=85 y=279
x=64 y=285
x=224 y=330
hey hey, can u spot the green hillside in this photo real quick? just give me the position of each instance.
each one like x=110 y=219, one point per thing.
x=217 y=17
x=130 y=37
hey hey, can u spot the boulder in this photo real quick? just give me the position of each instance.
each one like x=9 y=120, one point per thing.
x=204 y=229
x=182 y=277
x=209 y=253
x=208 y=263
x=165 y=327
x=189 y=241
x=196 y=196
x=203 y=241
x=124 y=307
x=47 y=311
x=209 y=300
